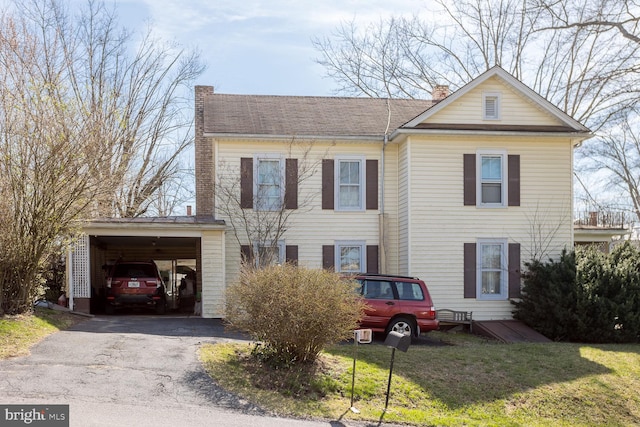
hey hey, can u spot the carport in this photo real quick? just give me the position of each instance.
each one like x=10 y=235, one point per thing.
x=181 y=246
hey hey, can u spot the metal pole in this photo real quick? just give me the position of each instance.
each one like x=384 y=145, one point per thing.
x=386 y=403
x=353 y=374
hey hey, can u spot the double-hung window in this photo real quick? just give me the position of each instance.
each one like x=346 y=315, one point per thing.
x=492 y=183
x=492 y=262
x=349 y=182
x=268 y=191
x=270 y=254
x=350 y=257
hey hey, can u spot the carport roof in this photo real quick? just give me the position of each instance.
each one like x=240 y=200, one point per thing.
x=170 y=225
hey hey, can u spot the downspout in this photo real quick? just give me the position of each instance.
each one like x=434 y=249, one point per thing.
x=381 y=219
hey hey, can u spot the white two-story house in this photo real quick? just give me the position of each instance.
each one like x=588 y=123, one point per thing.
x=461 y=190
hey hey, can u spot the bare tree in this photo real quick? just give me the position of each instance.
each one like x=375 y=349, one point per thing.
x=402 y=57
x=617 y=154
x=85 y=129
x=261 y=223
x=48 y=147
x=622 y=16
x=135 y=90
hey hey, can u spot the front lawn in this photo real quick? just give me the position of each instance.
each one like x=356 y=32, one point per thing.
x=18 y=333
x=469 y=382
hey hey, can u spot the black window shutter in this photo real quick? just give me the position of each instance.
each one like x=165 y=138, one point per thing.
x=291 y=184
x=246 y=183
x=328 y=257
x=327 y=184
x=373 y=259
x=514 y=270
x=469 y=171
x=372 y=184
x=292 y=254
x=513 y=171
x=469 y=270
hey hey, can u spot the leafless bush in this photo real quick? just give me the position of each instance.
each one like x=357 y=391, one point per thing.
x=292 y=311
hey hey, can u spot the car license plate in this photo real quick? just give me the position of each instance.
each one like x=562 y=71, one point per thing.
x=134 y=284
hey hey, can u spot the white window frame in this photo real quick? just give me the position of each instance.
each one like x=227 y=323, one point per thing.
x=497 y=97
x=361 y=183
x=281 y=252
x=256 y=184
x=503 y=178
x=363 y=255
x=504 y=269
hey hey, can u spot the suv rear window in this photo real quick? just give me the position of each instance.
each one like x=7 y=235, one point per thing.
x=377 y=289
x=409 y=291
x=134 y=270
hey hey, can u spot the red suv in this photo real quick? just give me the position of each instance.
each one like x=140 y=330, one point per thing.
x=397 y=303
x=135 y=284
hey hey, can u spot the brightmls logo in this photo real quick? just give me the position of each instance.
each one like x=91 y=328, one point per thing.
x=36 y=415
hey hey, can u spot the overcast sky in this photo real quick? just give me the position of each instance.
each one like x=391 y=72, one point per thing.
x=258 y=47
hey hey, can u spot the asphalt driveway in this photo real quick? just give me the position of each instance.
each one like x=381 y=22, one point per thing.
x=132 y=371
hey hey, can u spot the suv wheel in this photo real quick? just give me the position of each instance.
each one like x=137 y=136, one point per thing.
x=403 y=325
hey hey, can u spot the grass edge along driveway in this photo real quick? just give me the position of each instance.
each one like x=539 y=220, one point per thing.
x=470 y=382
x=18 y=333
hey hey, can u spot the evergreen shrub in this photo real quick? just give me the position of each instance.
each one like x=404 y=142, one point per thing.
x=585 y=296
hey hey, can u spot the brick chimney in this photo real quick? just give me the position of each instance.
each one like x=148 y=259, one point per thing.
x=203 y=157
x=439 y=92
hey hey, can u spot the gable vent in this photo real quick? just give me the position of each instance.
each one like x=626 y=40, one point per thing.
x=491 y=106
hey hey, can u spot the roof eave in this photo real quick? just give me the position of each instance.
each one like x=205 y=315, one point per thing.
x=121 y=227
x=577 y=136
x=239 y=136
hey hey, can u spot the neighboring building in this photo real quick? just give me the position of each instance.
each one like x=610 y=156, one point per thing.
x=602 y=229
x=460 y=191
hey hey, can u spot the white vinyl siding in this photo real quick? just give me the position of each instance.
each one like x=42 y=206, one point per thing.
x=514 y=109
x=213 y=274
x=440 y=224
x=310 y=227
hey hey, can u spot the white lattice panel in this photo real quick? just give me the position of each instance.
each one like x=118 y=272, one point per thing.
x=80 y=268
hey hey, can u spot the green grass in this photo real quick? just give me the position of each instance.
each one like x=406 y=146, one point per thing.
x=470 y=382
x=19 y=333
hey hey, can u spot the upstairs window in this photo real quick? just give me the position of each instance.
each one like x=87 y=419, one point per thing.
x=349 y=184
x=491 y=179
x=491 y=105
x=268 y=191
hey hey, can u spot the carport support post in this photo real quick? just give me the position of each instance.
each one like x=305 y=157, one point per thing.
x=70 y=277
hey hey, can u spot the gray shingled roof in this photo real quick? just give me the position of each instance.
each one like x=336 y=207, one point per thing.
x=306 y=116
